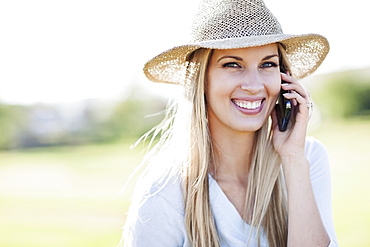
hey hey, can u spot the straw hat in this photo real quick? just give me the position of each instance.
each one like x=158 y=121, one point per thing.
x=230 y=24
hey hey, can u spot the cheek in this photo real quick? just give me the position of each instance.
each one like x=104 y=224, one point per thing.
x=216 y=86
x=274 y=90
x=214 y=96
x=274 y=86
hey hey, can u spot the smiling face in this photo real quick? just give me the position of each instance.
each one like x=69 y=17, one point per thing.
x=242 y=87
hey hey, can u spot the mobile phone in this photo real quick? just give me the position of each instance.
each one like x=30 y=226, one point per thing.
x=283 y=110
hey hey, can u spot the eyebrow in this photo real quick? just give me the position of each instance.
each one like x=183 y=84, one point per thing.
x=269 y=57
x=241 y=59
x=233 y=57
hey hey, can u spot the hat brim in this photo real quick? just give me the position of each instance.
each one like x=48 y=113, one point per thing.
x=305 y=52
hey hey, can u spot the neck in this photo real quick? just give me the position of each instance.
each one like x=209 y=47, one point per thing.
x=232 y=154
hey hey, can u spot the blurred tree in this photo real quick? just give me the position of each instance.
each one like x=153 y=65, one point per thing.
x=82 y=122
x=345 y=95
x=132 y=118
x=12 y=125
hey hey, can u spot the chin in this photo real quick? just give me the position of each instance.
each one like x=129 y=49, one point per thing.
x=252 y=127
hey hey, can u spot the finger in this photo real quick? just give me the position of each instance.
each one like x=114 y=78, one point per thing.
x=294 y=95
x=294 y=87
x=298 y=100
x=288 y=78
x=289 y=83
x=297 y=88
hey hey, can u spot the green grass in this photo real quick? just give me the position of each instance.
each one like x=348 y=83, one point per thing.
x=348 y=147
x=68 y=196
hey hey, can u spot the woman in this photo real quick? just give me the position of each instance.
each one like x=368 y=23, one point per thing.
x=223 y=174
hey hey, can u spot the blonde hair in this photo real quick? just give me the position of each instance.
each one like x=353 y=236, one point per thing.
x=266 y=197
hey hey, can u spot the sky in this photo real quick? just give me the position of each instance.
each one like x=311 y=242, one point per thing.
x=54 y=51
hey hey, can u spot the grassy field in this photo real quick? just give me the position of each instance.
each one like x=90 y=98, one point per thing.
x=349 y=150
x=66 y=196
x=69 y=196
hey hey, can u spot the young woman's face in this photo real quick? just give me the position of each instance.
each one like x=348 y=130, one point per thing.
x=242 y=87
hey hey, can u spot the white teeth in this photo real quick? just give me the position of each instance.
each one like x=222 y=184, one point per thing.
x=248 y=104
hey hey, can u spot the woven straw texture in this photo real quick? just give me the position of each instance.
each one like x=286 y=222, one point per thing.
x=230 y=24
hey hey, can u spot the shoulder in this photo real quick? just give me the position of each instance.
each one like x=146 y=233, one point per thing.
x=156 y=216
x=314 y=147
x=169 y=191
x=317 y=155
x=320 y=173
x=160 y=195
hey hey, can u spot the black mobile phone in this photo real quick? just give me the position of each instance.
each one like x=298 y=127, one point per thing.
x=283 y=106
x=283 y=111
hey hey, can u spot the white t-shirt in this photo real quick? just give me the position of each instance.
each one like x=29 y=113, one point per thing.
x=159 y=222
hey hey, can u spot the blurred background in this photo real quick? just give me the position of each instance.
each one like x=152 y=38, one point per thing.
x=73 y=100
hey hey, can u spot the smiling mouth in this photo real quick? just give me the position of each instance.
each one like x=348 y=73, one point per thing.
x=249 y=105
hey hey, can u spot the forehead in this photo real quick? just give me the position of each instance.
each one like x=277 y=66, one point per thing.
x=248 y=51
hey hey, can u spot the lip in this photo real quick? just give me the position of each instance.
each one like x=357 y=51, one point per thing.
x=256 y=102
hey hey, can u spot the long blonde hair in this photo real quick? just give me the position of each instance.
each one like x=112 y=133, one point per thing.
x=266 y=197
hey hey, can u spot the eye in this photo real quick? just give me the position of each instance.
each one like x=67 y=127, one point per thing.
x=231 y=65
x=269 y=65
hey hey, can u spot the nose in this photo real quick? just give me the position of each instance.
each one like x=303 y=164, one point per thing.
x=252 y=83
